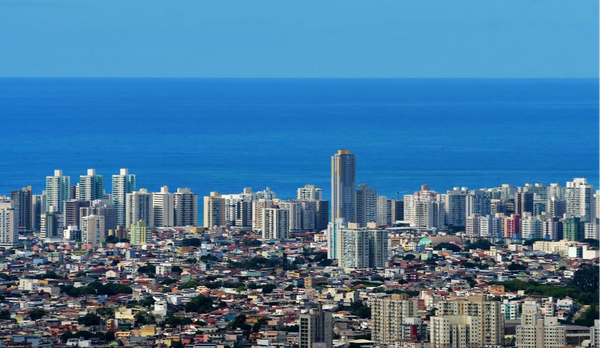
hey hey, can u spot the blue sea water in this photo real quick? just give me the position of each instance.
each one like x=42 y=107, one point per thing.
x=225 y=134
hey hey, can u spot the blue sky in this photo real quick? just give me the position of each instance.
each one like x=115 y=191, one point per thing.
x=299 y=38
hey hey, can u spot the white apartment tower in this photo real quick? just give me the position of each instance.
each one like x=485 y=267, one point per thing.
x=310 y=193
x=93 y=230
x=580 y=199
x=9 y=231
x=122 y=184
x=58 y=190
x=90 y=187
x=163 y=204
x=275 y=224
x=186 y=207
x=138 y=206
x=214 y=210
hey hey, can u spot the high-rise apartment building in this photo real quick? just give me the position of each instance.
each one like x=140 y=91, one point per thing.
x=488 y=313
x=396 y=210
x=538 y=332
x=580 y=199
x=334 y=239
x=478 y=202
x=163 y=204
x=425 y=209
x=186 y=207
x=366 y=205
x=93 y=230
x=573 y=229
x=258 y=207
x=310 y=193
x=456 y=331
x=343 y=186
x=102 y=208
x=214 y=210
x=23 y=205
x=275 y=224
x=390 y=315
x=361 y=248
x=58 y=190
x=316 y=329
x=73 y=211
x=595 y=333
x=384 y=214
x=122 y=184
x=139 y=233
x=523 y=203
x=9 y=231
x=91 y=186
x=294 y=216
x=456 y=207
x=138 y=206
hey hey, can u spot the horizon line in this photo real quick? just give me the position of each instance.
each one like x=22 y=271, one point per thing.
x=285 y=78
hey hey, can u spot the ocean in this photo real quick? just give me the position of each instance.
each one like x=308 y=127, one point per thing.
x=226 y=134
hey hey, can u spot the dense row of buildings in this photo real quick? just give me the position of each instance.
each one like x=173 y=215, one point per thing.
x=360 y=270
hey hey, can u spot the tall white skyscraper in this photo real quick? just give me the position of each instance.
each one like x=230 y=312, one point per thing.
x=58 y=190
x=9 y=231
x=138 y=206
x=91 y=186
x=122 y=184
x=186 y=207
x=580 y=199
x=343 y=186
x=163 y=204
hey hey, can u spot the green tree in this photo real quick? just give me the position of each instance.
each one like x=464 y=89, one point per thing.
x=4 y=314
x=200 y=304
x=586 y=278
x=89 y=319
x=36 y=314
x=448 y=246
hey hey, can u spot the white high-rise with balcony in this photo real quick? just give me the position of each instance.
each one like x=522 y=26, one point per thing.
x=91 y=186
x=58 y=190
x=122 y=184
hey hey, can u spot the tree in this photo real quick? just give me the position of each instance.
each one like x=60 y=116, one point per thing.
x=268 y=288
x=200 y=304
x=106 y=312
x=360 y=310
x=409 y=257
x=448 y=246
x=189 y=284
x=586 y=278
x=143 y=318
x=530 y=242
x=4 y=314
x=36 y=314
x=483 y=244
x=516 y=267
x=89 y=319
x=195 y=242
